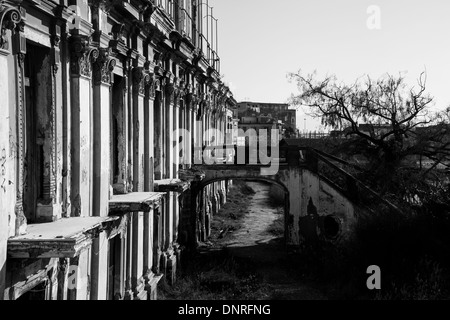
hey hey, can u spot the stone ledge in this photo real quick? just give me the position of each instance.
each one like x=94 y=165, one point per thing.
x=191 y=174
x=134 y=202
x=64 y=238
x=172 y=185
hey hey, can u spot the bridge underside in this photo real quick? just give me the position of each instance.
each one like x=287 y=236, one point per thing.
x=314 y=210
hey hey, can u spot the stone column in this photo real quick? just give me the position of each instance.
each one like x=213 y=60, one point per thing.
x=137 y=271
x=188 y=139
x=169 y=122
x=82 y=56
x=102 y=77
x=175 y=142
x=140 y=80
x=157 y=238
x=120 y=115
x=148 y=245
x=9 y=197
x=13 y=40
x=158 y=134
x=128 y=253
x=102 y=69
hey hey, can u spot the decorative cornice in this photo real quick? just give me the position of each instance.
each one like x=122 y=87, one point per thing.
x=105 y=5
x=170 y=92
x=192 y=101
x=141 y=79
x=148 y=8
x=189 y=88
x=169 y=77
x=55 y=40
x=103 y=67
x=117 y=31
x=151 y=86
x=10 y=18
x=83 y=55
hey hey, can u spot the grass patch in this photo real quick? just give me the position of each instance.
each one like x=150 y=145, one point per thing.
x=412 y=251
x=215 y=275
x=277 y=226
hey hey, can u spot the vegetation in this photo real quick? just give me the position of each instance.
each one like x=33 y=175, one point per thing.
x=228 y=218
x=399 y=130
x=387 y=121
x=277 y=227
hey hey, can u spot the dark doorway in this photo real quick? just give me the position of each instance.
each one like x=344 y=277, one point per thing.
x=37 y=293
x=37 y=129
x=118 y=150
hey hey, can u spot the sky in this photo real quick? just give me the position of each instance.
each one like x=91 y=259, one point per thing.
x=261 y=41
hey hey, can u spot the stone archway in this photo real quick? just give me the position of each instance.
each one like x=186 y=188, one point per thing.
x=309 y=194
x=197 y=194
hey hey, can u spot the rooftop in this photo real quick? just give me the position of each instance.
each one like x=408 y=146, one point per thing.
x=64 y=238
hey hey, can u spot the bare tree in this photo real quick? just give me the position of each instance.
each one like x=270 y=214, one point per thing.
x=392 y=120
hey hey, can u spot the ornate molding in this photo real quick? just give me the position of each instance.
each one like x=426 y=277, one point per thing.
x=117 y=31
x=141 y=79
x=157 y=59
x=191 y=102
x=103 y=67
x=151 y=86
x=82 y=56
x=10 y=19
x=221 y=99
x=21 y=59
x=55 y=40
x=148 y=8
x=105 y=5
x=21 y=220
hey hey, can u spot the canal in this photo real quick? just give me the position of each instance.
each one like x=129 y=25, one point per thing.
x=245 y=256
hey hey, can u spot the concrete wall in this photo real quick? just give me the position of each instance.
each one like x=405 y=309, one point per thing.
x=104 y=138
x=320 y=200
x=313 y=209
x=75 y=99
x=277 y=194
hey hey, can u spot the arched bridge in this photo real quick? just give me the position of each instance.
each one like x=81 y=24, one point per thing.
x=322 y=200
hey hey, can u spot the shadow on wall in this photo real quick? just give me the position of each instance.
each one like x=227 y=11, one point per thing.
x=277 y=194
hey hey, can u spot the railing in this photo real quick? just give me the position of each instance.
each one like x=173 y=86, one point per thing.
x=211 y=56
x=357 y=191
x=187 y=27
x=327 y=167
x=183 y=21
x=313 y=135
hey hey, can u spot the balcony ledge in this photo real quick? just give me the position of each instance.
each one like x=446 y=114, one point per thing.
x=64 y=238
x=171 y=185
x=135 y=202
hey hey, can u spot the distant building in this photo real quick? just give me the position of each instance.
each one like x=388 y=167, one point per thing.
x=258 y=115
x=95 y=199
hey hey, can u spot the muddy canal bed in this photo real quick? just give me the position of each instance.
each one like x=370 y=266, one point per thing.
x=245 y=257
